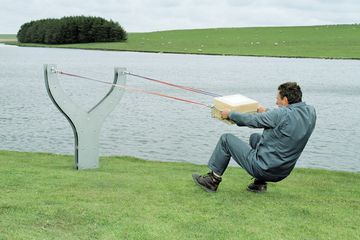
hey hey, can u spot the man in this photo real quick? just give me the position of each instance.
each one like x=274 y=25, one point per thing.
x=270 y=156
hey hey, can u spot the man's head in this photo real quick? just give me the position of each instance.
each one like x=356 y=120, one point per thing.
x=289 y=93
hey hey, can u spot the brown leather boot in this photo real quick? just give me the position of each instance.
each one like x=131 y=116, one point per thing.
x=209 y=182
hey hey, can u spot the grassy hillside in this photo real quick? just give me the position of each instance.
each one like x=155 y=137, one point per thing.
x=43 y=197
x=334 y=41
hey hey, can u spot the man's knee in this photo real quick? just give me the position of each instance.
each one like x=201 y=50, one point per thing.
x=254 y=139
x=255 y=136
x=225 y=138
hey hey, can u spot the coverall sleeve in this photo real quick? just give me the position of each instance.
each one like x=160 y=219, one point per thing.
x=268 y=119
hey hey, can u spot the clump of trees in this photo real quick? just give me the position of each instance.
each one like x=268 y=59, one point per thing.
x=74 y=29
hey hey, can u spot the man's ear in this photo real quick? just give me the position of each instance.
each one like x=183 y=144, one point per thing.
x=286 y=101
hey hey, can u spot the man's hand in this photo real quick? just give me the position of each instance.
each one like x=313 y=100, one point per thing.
x=225 y=114
x=261 y=109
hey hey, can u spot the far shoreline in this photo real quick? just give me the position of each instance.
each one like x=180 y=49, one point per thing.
x=166 y=52
x=338 y=42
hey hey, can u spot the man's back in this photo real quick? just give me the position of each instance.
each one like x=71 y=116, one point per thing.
x=281 y=146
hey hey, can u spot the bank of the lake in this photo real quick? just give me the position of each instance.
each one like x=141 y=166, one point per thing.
x=8 y=38
x=330 y=41
x=43 y=197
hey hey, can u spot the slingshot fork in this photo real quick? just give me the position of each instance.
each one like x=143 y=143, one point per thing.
x=86 y=125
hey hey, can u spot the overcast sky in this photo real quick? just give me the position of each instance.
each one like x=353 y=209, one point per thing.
x=155 y=15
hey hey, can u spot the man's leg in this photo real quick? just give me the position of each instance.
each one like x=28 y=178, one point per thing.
x=258 y=185
x=228 y=146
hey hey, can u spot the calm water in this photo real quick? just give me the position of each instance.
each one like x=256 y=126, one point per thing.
x=160 y=129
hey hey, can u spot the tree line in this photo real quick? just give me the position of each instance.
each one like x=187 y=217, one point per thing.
x=74 y=29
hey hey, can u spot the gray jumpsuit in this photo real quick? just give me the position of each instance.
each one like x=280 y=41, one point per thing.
x=272 y=155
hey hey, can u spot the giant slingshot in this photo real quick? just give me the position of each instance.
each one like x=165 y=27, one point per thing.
x=86 y=125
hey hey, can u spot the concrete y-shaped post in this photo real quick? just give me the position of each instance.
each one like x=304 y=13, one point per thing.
x=85 y=124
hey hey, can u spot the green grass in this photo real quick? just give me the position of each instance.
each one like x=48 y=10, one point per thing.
x=43 y=197
x=333 y=41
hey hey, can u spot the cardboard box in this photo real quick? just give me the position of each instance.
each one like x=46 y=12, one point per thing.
x=238 y=103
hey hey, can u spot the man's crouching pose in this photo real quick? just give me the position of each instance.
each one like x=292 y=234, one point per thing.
x=270 y=156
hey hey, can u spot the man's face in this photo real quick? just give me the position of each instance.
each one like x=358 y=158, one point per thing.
x=281 y=102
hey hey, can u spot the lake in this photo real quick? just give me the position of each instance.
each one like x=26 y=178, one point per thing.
x=157 y=128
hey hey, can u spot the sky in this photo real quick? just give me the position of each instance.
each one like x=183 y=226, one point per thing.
x=157 y=15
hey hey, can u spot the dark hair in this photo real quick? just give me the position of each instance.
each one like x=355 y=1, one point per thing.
x=290 y=90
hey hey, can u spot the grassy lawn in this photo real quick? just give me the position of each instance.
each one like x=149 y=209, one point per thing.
x=333 y=41
x=43 y=197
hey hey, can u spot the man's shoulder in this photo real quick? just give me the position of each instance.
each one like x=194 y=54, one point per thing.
x=306 y=109
x=301 y=105
x=309 y=107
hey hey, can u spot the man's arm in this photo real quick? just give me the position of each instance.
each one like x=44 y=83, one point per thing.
x=225 y=113
x=262 y=119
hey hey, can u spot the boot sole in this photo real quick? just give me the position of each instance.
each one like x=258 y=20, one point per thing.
x=201 y=186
